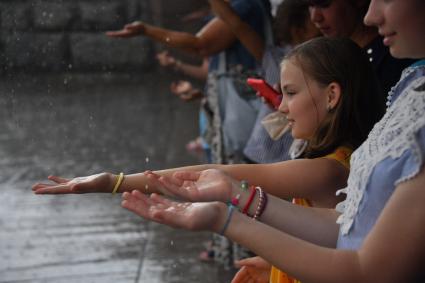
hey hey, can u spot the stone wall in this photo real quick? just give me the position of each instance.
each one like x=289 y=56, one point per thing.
x=62 y=35
x=68 y=35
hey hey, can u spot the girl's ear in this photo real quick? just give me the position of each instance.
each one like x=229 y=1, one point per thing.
x=333 y=95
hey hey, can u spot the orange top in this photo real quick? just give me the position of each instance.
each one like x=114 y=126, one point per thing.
x=342 y=154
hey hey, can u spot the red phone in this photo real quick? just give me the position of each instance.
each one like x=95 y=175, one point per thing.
x=266 y=91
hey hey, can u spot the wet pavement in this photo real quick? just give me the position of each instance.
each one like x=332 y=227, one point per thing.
x=74 y=125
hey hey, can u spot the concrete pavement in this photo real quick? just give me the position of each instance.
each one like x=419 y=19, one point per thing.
x=74 y=125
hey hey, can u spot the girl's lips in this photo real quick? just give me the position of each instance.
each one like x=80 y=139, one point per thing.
x=389 y=39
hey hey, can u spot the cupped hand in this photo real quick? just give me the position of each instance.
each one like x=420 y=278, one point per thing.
x=129 y=30
x=183 y=215
x=203 y=186
x=181 y=87
x=185 y=90
x=254 y=269
x=165 y=59
x=99 y=183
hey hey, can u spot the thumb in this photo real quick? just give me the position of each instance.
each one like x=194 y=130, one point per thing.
x=252 y=262
x=245 y=262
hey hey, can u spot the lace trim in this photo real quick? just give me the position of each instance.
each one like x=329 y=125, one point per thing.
x=390 y=137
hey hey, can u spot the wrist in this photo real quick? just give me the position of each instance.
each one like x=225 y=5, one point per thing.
x=222 y=215
x=112 y=180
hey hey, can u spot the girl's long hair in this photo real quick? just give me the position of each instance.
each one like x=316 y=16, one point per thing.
x=362 y=104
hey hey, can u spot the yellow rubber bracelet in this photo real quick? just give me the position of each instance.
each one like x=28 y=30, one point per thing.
x=118 y=183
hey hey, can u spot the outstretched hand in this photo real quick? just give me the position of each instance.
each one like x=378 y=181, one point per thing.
x=99 y=183
x=129 y=30
x=185 y=90
x=186 y=215
x=165 y=59
x=254 y=269
x=203 y=186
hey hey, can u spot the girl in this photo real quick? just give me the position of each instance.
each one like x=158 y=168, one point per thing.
x=380 y=233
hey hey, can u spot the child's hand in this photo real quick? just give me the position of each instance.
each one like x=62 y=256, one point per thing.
x=166 y=60
x=99 y=183
x=254 y=269
x=129 y=30
x=207 y=185
x=191 y=216
x=185 y=90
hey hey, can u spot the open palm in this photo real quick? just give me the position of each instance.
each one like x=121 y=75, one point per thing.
x=185 y=215
x=203 y=186
x=90 y=184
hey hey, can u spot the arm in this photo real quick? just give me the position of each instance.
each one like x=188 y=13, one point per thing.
x=315 y=179
x=194 y=71
x=213 y=38
x=252 y=41
x=393 y=251
x=199 y=72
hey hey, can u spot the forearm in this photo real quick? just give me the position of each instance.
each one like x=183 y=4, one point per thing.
x=315 y=225
x=197 y=72
x=140 y=182
x=252 y=41
x=180 y=40
x=303 y=260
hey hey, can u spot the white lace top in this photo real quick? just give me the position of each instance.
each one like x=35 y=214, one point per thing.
x=393 y=153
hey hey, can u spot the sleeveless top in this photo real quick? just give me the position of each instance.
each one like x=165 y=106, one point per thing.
x=342 y=154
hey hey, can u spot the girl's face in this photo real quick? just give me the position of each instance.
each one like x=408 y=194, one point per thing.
x=402 y=24
x=304 y=101
x=336 y=18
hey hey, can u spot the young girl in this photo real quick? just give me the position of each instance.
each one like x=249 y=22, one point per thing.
x=380 y=233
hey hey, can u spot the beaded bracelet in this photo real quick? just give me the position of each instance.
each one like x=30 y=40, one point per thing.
x=262 y=202
x=230 y=209
x=118 y=183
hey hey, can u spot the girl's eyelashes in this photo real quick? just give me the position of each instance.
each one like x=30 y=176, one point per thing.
x=288 y=92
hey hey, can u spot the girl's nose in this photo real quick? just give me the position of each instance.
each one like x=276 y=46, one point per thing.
x=283 y=107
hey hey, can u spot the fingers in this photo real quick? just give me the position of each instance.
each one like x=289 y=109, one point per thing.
x=58 y=179
x=44 y=189
x=137 y=203
x=241 y=276
x=253 y=262
x=187 y=175
x=155 y=180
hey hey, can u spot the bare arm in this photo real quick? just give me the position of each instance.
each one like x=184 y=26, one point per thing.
x=252 y=41
x=195 y=71
x=394 y=251
x=213 y=38
x=315 y=179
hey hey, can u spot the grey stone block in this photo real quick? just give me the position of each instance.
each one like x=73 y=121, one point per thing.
x=34 y=51
x=98 y=52
x=15 y=16
x=102 y=15
x=53 y=15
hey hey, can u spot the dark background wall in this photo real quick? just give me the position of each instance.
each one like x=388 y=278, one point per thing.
x=68 y=35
